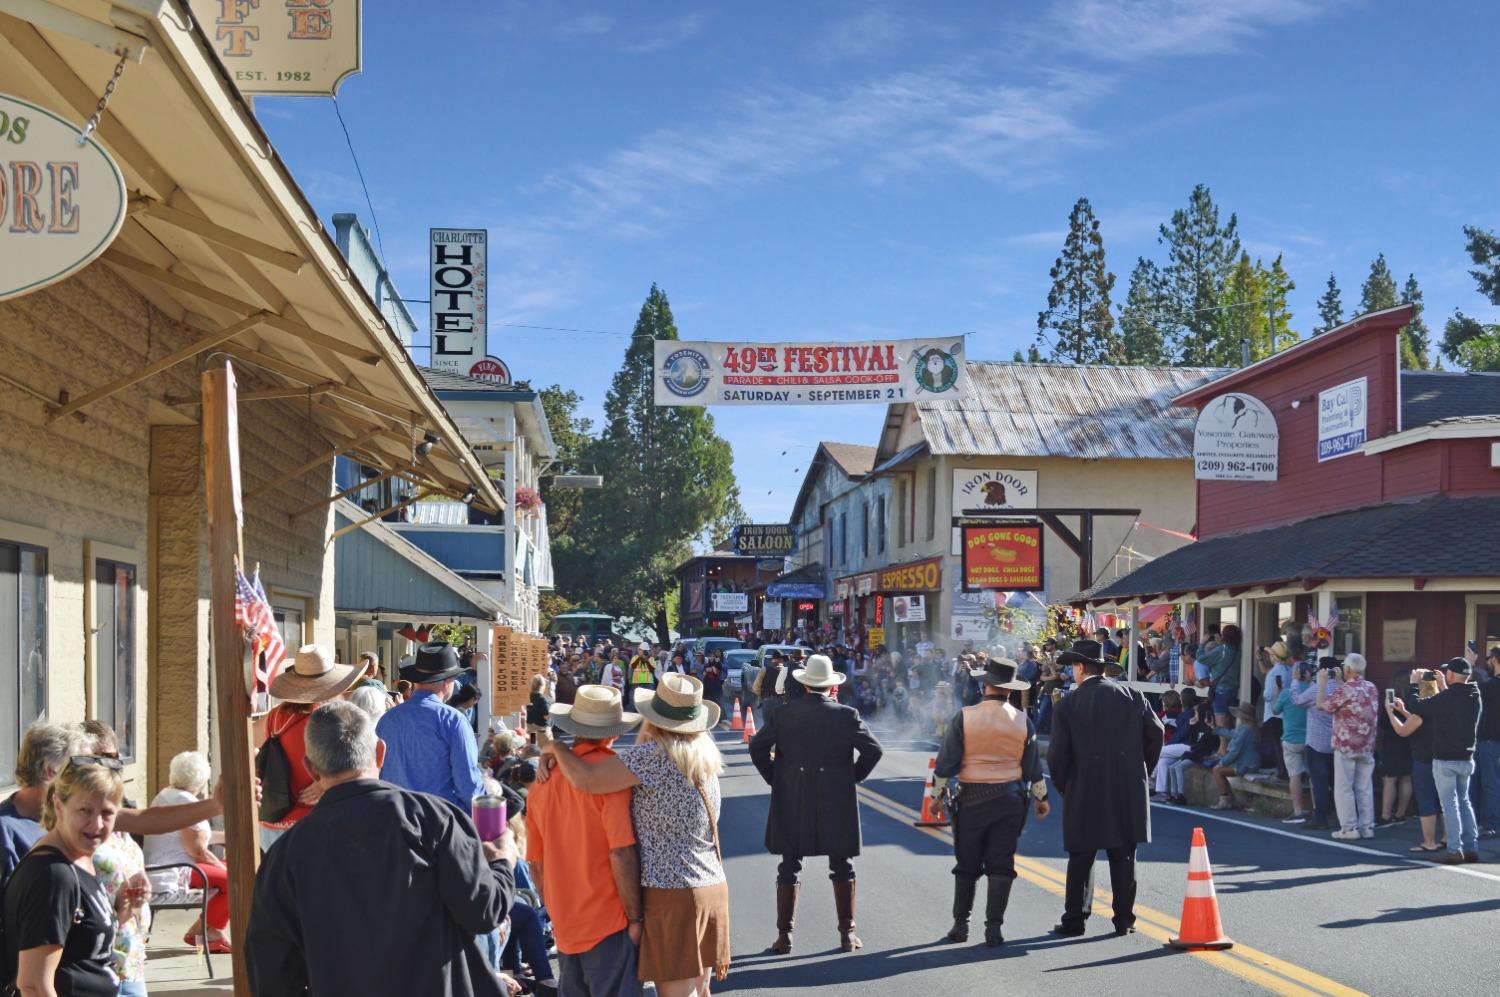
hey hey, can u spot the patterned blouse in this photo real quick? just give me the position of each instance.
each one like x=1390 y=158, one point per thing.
x=1356 y=712
x=671 y=824
x=115 y=862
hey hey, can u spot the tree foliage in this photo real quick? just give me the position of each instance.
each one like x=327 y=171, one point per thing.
x=1416 y=342
x=1200 y=255
x=572 y=435
x=669 y=478
x=1483 y=248
x=1378 y=292
x=1144 y=316
x=1253 y=311
x=1077 y=319
x=1330 y=308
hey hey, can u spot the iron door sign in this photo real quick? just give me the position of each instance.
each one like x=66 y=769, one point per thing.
x=61 y=203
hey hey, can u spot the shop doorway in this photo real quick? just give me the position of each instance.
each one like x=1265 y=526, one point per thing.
x=1487 y=631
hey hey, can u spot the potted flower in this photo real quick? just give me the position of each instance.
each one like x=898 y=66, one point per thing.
x=527 y=499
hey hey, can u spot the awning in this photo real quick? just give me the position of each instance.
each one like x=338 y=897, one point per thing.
x=1433 y=538
x=806 y=582
x=379 y=571
x=221 y=239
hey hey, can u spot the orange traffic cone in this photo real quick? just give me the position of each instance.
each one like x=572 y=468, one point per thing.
x=931 y=815
x=738 y=721
x=749 y=725
x=1201 y=927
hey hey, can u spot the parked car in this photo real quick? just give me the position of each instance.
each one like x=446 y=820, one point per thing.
x=704 y=646
x=739 y=674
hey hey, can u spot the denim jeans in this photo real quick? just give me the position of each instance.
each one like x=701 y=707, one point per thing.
x=1320 y=773
x=1487 y=765
x=133 y=988
x=1177 y=778
x=1452 y=780
x=1354 y=790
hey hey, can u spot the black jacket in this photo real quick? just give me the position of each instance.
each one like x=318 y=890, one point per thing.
x=1105 y=742
x=377 y=891
x=822 y=751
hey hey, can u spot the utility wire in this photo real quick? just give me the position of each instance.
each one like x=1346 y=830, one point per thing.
x=361 y=174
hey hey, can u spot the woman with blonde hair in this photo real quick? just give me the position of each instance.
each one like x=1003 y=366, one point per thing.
x=59 y=920
x=538 y=715
x=674 y=769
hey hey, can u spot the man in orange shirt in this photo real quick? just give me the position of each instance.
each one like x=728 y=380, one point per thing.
x=581 y=849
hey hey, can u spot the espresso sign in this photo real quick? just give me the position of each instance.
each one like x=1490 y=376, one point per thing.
x=297 y=47
x=61 y=203
x=459 y=313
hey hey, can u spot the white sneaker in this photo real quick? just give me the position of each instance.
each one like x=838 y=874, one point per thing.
x=1345 y=835
x=1366 y=832
x=1224 y=803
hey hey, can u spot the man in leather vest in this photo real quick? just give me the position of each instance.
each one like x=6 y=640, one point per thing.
x=991 y=748
x=813 y=752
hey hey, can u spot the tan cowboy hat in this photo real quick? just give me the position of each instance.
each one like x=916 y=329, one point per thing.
x=1000 y=673
x=596 y=712
x=1279 y=651
x=819 y=673
x=676 y=704
x=313 y=676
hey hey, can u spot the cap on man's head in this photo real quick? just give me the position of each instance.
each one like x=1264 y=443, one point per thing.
x=1458 y=666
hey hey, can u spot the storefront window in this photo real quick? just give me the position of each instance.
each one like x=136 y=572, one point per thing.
x=880 y=525
x=114 y=650
x=23 y=646
x=1349 y=635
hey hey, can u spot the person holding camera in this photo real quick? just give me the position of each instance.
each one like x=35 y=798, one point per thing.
x=1454 y=715
x=1355 y=707
x=1319 y=730
x=1487 y=748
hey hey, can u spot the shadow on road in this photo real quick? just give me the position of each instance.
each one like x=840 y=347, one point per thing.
x=1397 y=915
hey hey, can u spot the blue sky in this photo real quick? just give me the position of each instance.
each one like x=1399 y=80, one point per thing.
x=846 y=170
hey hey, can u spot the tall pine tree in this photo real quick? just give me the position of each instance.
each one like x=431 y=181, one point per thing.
x=1200 y=255
x=1379 y=289
x=1144 y=316
x=1416 y=343
x=669 y=480
x=1253 y=311
x=1077 y=320
x=1330 y=308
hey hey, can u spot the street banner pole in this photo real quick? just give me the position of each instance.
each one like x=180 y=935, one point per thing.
x=221 y=466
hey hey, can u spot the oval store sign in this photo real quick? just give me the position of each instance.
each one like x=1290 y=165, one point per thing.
x=61 y=203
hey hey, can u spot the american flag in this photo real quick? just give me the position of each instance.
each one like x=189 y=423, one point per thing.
x=252 y=611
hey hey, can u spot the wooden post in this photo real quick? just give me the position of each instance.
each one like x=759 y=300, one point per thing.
x=221 y=473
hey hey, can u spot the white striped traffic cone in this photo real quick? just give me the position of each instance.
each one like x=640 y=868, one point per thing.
x=1201 y=927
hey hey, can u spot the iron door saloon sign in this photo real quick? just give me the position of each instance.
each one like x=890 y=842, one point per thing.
x=764 y=539
x=61 y=203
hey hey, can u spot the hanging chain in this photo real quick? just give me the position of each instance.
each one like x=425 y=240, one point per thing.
x=109 y=91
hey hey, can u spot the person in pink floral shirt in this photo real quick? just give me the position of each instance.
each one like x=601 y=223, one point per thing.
x=1355 y=707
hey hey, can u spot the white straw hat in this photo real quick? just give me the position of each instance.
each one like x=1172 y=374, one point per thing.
x=677 y=704
x=819 y=673
x=596 y=712
x=313 y=676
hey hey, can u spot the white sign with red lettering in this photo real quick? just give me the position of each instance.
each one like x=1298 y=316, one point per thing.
x=817 y=373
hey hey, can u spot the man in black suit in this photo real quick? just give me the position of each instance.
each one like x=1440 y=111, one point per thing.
x=1105 y=741
x=821 y=752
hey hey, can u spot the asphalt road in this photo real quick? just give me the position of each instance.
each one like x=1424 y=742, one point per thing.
x=1310 y=916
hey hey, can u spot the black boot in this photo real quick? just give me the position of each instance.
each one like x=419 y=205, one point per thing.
x=786 y=915
x=843 y=902
x=963 y=905
x=994 y=909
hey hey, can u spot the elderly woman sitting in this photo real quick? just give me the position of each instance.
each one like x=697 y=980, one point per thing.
x=189 y=776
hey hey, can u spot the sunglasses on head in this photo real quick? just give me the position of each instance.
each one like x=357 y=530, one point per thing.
x=111 y=762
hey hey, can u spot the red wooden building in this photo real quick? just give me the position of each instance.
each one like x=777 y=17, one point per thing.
x=1385 y=506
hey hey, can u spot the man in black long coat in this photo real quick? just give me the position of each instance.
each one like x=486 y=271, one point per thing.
x=1105 y=741
x=821 y=752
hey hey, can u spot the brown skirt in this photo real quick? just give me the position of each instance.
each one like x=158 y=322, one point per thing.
x=686 y=932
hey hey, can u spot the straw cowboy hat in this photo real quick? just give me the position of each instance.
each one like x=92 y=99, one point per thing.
x=1279 y=651
x=596 y=712
x=313 y=676
x=1000 y=673
x=819 y=673
x=676 y=704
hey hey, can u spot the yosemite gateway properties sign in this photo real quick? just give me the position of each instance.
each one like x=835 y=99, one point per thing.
x=458 y=312
x=1235 y=439
x=814 y=373
x=61 y=204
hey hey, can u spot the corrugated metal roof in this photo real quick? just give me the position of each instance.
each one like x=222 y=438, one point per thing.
x=854 y=458
x=1062 y=410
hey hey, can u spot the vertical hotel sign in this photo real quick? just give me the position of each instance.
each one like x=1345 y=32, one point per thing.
x=61 y=203
x=460 y=277
x=289 y=47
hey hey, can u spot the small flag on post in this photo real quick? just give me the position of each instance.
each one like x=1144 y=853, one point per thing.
x=252 y=611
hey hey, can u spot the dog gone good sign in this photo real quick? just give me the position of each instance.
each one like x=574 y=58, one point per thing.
x=813 y=373
x=61 y=204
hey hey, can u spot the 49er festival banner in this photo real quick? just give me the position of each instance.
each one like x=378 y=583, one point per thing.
x=815 y=373
x=1002 y=557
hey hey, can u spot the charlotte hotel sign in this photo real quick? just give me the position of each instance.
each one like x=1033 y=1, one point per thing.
x=459 y=293
x=61 y=204
x=302 y=47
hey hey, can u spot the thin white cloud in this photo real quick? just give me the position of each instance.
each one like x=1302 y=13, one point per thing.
x=585 y=26
x=664 y=35
x=1130 y=30
x=631 y=38
x=871 y=30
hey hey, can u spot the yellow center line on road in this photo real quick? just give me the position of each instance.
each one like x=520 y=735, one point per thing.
x=1264 y=970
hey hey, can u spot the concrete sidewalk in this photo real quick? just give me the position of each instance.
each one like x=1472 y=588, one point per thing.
x=173 y=968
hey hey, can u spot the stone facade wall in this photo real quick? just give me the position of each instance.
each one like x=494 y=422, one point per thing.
x=127 y=475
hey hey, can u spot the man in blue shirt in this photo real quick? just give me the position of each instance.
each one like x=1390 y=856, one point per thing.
x=430 y=747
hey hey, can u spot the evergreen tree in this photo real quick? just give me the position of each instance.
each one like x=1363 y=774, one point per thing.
x=1471 y=344
x=1379 y=289
x=1484 y=249
x=1416 y=344
x=669 y=482
x=1200 y=255
x=1330 y=308
x=1253 y=310
x=1078 y=310
x=1279 y=286
x=572 y=436
x=1144 y=316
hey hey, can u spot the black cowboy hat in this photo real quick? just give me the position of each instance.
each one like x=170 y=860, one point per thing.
x=1000 y=673
x=1085 y=652
x=435 y=662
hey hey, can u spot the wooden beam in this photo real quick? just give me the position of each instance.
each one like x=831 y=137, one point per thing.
x=114 y=40
x=419 y=496
x=221 y=466
x=306 y=376
x=262 y=395
x=229 y=301
x=144 y=204
x=308 y=465
x=189 y=351
x=321 y=503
